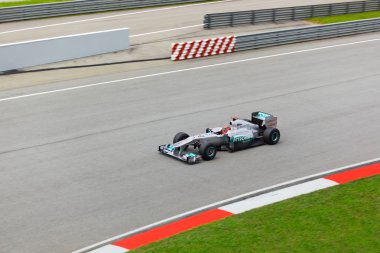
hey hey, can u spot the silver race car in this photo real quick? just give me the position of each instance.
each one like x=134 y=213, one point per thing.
x=239 y=134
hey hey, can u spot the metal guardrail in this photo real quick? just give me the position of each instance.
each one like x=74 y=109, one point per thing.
x=78 y=7
x=261 y=40
x=287 y=14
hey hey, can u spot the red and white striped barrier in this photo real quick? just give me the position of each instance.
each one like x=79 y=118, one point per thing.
x=202 y=48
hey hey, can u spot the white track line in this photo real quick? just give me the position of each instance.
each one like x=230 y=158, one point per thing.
x=60 y=37
x=185 y=70
x=107 y=17
x=220 y=203
x=132 y=36
x=168 y=30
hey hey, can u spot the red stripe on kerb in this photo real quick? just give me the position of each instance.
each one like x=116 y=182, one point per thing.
x=174 y=47
x=213 y=46
x=221 y=45
x=230 y=40
x=355 y=174
x=172 y=229
x=205 y=47
x=189 y=50
x=194 y=55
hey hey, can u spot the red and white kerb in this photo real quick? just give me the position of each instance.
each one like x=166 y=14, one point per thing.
x=202 y=48
x=205 y=217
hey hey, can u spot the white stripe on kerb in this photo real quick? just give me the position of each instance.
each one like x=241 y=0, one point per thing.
x=109 y=249
x=276 y=196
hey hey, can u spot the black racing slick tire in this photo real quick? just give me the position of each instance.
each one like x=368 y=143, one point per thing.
x=208 y=151
x=180 y=137
x=271 y=135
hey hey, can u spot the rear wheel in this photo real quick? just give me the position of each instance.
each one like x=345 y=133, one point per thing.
x=207 y=151
x=271 y=136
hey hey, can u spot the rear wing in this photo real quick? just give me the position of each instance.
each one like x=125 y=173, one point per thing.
x=263 y=119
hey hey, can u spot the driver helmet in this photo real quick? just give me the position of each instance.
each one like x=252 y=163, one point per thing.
x=233 y=118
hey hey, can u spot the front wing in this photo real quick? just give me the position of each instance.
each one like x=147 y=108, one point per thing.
x=170 y=150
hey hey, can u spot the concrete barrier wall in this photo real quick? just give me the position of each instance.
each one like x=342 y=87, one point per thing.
x=32 y=53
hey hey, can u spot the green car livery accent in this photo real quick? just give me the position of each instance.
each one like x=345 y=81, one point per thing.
x=262 y=115
x=241 y=138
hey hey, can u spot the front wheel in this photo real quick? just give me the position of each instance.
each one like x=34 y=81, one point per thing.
x=271 y=135
x=180 y=137
x=207 y=151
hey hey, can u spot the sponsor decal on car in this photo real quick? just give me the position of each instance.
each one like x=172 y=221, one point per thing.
x=241 y=138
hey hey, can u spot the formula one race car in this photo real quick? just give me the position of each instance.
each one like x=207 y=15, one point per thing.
x=239 y=134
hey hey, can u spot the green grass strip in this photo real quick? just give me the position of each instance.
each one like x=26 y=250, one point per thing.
x=345 y=18
x=29 y=2
x=345 y=218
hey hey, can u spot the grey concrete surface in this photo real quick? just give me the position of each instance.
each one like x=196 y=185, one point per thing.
x=141 y=23
x=143 y=47
x=81 y=166
x=138 y=21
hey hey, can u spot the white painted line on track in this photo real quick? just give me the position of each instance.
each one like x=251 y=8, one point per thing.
x=222 y=203
x=277 y=196
x=131 y=36
x=168 y=30
x=185 y=70
x=60 y=37
x=107 y=17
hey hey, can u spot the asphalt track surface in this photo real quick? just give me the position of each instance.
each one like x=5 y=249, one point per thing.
x=81 y=166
